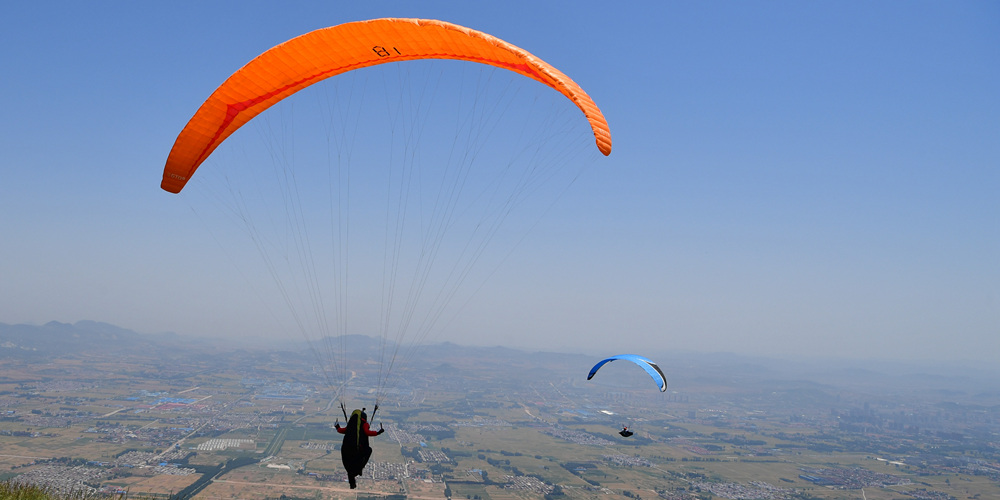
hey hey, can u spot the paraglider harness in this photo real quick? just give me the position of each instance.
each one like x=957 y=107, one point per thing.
x=359 y=422
x=355 y=450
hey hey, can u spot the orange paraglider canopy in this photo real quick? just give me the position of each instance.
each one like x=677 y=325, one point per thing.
x=302 y=61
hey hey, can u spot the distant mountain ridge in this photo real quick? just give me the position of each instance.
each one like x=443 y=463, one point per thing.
x=55 y=338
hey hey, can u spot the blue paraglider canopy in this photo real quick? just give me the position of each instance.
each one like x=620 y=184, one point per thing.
x=650 y=367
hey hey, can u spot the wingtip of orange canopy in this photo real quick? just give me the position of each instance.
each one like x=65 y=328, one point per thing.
x=604 y=144
x=172 y=185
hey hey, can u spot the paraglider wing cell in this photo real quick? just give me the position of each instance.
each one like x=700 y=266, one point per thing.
x=650 y=367
x=302 y=61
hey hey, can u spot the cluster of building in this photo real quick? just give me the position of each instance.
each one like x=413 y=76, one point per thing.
x=62 y=386
x=578 y=437
x=320 y=445
x=433 y=456
x=28 y=434
x=49 y=420
x=83 y=480
x=402 y=436
x=225 y=421
x=628 y=460
x=753 y=489
x=675 y=495
x=527 y=483
x=170 y=470
x=852 y=479
x=338 y=476
x=925 y=494
x=140 y=459
x=479 y=421
x=424 y=428
x=148 y=435
x=131 y=459
x=218 y=444
x=386 y=471
x=63 y=479
x=959 y=464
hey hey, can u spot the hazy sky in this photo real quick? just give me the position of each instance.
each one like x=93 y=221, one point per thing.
x=788 y=178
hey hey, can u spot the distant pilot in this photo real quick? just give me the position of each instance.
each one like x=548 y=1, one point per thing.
x=625 y=432
x=356 y=451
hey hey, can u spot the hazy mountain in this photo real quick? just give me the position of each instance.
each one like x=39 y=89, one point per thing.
x=821 y=378
x=62 y=339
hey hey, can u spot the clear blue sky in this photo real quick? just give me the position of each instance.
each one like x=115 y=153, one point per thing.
x=788 y=178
